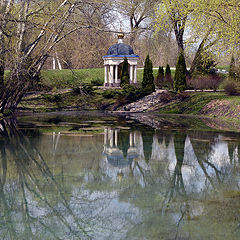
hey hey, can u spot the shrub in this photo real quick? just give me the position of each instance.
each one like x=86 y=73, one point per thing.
x=57 y=98
x=132 y=93
x=166 y=97
x=160 y=78
x=201 y=82
x=168 y=77
x=111 y=93
x=183 y=96
x=231 y=88
x=180 y=74
x=125 y=74
x=148 y=78
x=97 y=82
x=86 y=89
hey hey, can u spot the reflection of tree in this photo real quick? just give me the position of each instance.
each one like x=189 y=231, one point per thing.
x=30 y=168
x=202 y=149
x=177 y=184
x=147 y=137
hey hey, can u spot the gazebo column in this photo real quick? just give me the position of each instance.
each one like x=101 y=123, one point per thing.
x=111 y=76
x=106 y=83
x=135 y=75
x=131 y=74
x=116 y=76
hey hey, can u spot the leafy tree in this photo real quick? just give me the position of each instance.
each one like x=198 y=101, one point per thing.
x=29 y=33
x=160 y=77
x=124 y=74
x=180 y=74
x=148 y=78
x=168 y=76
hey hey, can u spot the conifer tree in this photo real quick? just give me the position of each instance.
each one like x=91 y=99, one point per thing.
x=125 y=74
x=232 y=70
x=168 y=77
x=180 y=74
x=148 y=78
x=160 y=77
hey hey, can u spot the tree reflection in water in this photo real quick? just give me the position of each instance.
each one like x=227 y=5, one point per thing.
x=26 y=208
x=139 y=185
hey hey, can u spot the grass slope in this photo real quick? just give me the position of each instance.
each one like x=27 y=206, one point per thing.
x=196 y=102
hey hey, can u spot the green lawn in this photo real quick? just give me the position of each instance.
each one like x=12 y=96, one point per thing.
x=73 y=78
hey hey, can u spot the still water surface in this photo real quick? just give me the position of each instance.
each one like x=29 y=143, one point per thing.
x=115 y=178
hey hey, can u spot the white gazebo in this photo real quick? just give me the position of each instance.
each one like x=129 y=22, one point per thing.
x=113 y=63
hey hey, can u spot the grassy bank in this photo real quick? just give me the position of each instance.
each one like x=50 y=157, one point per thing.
x=213 y=104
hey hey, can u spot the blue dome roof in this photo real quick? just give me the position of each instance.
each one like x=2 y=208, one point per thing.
x=121 y=49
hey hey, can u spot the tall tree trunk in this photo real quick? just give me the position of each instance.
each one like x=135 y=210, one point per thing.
x=179 y=27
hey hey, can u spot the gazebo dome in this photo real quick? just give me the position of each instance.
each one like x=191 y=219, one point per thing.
x=120 y=49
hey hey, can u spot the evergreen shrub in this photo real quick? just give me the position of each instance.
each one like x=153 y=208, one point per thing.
x=160 y=77
x=180 y=74
x=125 y=74
x=232 y=71
x=148 y=79
x=168 y=77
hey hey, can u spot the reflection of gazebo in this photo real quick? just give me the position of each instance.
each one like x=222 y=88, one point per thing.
x=113 y=63
x=114 y=155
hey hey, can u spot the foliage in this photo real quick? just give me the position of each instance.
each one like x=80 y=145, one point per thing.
x=86 y=88
x=168 y=77
x=231 y=88
x=97 y=82
x=232 y=70
x=111 y=93
x=132 y=93
x=180 y=74
x=160 y=77
x=148 y=78
x=56 y=98
x=206 y=64
x=201 y=82
x=125 y=80
x=216 y=20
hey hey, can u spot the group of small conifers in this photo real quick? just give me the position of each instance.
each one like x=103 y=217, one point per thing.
x=162 y=80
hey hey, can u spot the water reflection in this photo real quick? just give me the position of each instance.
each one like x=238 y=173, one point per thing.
x=136 y=183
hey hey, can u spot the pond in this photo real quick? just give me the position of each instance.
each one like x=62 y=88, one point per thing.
x=96 y=176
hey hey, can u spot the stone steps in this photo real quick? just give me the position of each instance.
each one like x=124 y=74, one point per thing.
x=144 y=103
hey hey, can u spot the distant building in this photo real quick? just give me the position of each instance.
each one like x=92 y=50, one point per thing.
x=113 y=63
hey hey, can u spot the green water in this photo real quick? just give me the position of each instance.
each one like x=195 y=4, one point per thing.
x=102 y=177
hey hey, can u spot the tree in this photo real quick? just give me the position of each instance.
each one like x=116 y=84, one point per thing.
x=33 y=29
x=160 y=77
x=173 y=14
x=168 y=76
x=138 y=13
x=232 y=71
x=180 y=74
x=211 y=24
x=124 y=73
x=148 y=78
